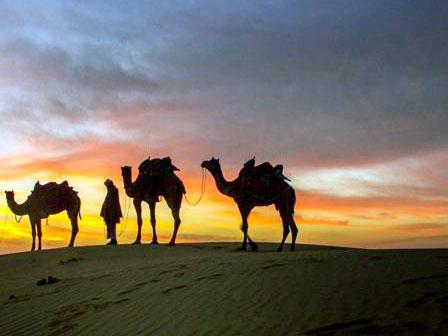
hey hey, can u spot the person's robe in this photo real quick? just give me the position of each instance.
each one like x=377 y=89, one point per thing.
x=111 y=209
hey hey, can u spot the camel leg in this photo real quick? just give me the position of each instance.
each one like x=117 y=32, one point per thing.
x=138 y=210
x=285 y=223
x=244 y=211
x=175 y=213
x=75 y=229
x=33 y=233
x=39 y=233
x=152 y=210
x=253 y=245
x=294 y=232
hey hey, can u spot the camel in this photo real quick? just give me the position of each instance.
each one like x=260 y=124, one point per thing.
x=260 y=191
x=168 y=185
x=46 y=200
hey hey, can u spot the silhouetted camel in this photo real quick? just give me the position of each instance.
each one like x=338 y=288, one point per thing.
x=45 y=200
x=168 y=185
x=258 y=192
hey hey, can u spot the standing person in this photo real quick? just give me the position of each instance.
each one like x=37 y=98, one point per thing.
x=111 y=211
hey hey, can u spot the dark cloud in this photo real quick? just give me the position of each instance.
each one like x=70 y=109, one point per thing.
x=310 y=83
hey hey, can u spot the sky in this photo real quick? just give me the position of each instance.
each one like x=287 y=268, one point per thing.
x=350 y=96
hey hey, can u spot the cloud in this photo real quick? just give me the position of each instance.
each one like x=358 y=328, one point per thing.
x=412 y=206
x=249 y=75
x=422 y=228
x=321 y=221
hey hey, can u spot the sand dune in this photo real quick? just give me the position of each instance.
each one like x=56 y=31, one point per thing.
x=209 y=289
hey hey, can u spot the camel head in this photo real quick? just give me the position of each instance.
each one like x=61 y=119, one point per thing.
x=126 y=172
x=9 y=196
x=211 y=165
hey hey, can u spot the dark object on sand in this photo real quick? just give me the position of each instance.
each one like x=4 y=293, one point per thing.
x=49 y=281
x=64 y=262
x=52 y=280
x=42 y=282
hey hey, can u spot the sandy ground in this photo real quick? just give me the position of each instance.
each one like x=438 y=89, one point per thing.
x=210 y=289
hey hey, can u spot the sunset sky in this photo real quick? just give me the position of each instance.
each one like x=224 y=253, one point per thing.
x=351 y=96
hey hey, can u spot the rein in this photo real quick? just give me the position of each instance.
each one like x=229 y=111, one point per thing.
x=123 y=227
x=203 y=185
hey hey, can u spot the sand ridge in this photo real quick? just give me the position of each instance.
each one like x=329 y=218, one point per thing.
x=210 y=289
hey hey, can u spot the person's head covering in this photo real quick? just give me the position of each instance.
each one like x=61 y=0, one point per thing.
x=108 y=183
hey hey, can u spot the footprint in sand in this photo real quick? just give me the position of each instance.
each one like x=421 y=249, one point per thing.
x=167 y=271
x=273 y=265
x=128 y=291
x=99 y=277
x=171 y=289
x=178 y=268
x=66 y=318
x=16 y=299
x=132 y=289
x=350 y=326
x=209 y=277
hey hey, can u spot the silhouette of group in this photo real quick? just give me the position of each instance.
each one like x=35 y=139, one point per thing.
x=260 y=185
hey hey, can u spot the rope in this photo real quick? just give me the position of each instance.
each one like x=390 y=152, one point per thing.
x=125 y=202
x=18 y=220
x=123 y=227
x=203 y=185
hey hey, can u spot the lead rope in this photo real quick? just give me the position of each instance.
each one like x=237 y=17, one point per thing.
x=123 y=227
x=17 y=220
x=203 y=185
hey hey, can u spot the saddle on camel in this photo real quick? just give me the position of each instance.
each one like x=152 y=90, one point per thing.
x=151 y=173
x=262 y=176
x=53 y=195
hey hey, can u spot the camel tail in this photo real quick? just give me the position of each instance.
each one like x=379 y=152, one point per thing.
x=79 y=209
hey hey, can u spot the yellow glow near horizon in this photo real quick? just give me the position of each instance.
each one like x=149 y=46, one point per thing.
x=322 y=219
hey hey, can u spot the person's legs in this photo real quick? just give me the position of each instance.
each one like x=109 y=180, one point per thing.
x=111 y=233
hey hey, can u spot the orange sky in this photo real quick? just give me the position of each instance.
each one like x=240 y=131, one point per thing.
x=323 y=218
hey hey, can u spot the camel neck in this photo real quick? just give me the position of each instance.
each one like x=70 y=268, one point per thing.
x=128 y=185
x=17 y=209
x=222 y=184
